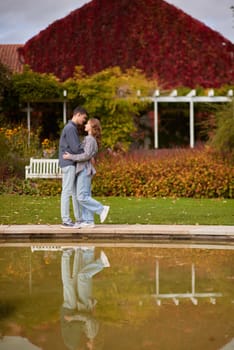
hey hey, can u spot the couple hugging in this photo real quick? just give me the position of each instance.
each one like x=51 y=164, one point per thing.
x=76 y=162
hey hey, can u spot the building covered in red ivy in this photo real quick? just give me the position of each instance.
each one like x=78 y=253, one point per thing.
x=152 y=35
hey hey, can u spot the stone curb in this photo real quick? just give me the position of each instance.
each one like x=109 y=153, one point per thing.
x=113 y=232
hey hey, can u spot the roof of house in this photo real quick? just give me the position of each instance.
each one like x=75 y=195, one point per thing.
x=9 y=57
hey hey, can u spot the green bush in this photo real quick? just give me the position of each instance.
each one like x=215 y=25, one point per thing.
x=223 y=138
x=15 y=152
x=35 y=187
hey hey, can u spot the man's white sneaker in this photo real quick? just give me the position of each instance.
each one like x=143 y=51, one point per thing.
x=104 y=213
x=104 y=259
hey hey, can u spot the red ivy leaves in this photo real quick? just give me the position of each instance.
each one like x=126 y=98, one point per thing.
x=149 y=34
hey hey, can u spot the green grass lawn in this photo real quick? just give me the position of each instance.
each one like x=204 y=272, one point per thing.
x=15 y=209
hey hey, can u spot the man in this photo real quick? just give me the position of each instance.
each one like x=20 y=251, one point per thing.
x=70 y=142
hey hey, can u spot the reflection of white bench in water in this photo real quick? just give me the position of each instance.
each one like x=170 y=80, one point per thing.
x=35 y=248
x=176 y=296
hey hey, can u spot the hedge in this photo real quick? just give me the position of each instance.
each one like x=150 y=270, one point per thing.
x=164 y=173
x=178 y=173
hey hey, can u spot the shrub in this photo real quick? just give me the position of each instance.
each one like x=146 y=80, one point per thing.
x=159 y=173
x=15 y=151
x=40 y=187
x=174 y=173
x=16 y=139
x=223 y=138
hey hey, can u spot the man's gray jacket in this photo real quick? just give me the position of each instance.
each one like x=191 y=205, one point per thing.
x=69 y=142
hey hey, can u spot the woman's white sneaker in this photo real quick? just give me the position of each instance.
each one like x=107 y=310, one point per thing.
x=104 y=213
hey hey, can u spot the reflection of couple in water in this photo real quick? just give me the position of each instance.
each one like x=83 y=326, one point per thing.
x=78 y=324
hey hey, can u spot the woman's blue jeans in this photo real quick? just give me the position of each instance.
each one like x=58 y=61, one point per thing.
x=83 y=188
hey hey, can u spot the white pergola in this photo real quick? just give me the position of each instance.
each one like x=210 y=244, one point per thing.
x=190 y=98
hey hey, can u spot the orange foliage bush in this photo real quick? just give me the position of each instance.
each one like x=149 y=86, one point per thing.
x=159 y=173
x=164 y=173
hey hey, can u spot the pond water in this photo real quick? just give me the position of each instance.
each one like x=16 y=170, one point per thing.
x=150 y=297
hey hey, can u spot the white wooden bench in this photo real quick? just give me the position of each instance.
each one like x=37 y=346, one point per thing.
x=43 y=168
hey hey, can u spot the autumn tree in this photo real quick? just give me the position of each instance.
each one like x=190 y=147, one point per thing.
x=112 y=96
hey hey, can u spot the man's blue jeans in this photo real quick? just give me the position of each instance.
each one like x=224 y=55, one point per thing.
x=68 y=191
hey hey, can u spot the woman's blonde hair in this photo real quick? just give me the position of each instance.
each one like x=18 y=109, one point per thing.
x=96 y=130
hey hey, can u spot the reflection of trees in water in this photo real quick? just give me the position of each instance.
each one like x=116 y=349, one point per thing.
x=17 y=262
x=121 y=290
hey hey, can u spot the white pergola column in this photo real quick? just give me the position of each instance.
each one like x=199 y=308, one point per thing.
x=64 y=107
x=191 y=123
x=155 y=124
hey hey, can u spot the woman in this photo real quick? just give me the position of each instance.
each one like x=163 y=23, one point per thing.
x=85 y=171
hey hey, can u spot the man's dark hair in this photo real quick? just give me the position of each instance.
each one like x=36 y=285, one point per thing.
x=80 y=110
